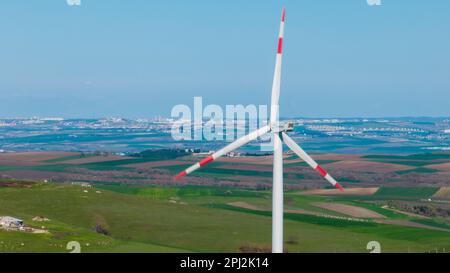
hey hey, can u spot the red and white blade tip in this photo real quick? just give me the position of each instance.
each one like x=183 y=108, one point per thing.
x=325 y=174
x=339 y=187
x=179 y=176
x=194 y=167
x=280 y=38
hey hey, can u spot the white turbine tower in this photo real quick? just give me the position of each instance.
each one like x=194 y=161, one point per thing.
x=279 y=136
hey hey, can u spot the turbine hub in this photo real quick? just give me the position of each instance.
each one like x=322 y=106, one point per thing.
x=282 y=127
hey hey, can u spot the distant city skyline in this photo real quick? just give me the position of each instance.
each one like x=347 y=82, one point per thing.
x=138 y=59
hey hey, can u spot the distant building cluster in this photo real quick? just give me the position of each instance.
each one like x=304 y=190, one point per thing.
x=326 y=128
x=330 y=128
x=122 y=136
x=231 y=154
x=393 y=129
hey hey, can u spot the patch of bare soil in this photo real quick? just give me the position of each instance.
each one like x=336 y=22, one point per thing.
x=35 y=156
x=295 y=211
x=442 y=193
x=154 y=164
x=350 y=210
x=16 y=184
x=30 y=175
x=94 y=159
x=246 y=205
x=247 y=167
x=407 y=223
x=367 y=166
x=267 y=160
x=440 y=167
x=347 y=191
x=338 y=157
x=15 y=162
x=264 y=160
x=334 y=157
x=241 y=179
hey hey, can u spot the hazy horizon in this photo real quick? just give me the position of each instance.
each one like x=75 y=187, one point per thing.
x=167 y=117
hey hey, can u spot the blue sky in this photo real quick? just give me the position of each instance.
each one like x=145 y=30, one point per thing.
x=139 y=58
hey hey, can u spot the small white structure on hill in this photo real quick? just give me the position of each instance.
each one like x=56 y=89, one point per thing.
x=82 y=184
x=10 y=222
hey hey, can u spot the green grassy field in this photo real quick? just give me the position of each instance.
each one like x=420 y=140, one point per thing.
x=414 y=160
x=405 y=193
x=417 y=170
x=424 y=156
x=192 y=219
x=213 y=170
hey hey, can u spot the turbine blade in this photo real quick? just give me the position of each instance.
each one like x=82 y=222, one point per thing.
x=230 y=147
x=277 y=74
x=313 y=164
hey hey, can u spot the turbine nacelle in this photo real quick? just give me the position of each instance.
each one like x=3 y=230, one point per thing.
x=279 y=127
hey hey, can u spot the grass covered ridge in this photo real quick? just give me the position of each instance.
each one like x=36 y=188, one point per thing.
x=189 y=219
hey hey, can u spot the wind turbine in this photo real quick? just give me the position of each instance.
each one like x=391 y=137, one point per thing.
x=278 y=131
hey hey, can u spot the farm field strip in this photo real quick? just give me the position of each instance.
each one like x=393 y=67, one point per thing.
x=188 y=217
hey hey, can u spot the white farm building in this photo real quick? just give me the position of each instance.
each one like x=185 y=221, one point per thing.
x=10 y=222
